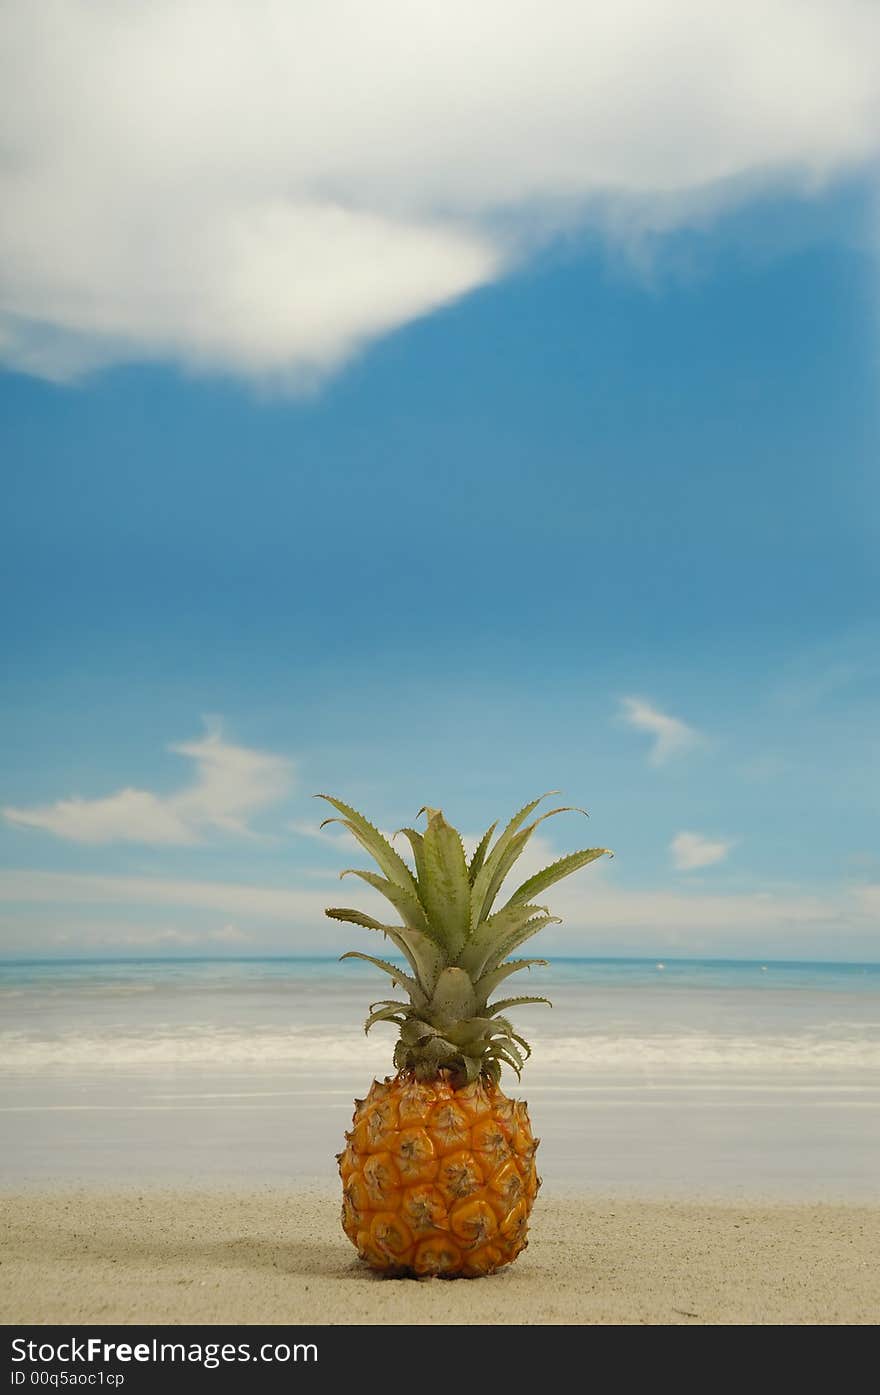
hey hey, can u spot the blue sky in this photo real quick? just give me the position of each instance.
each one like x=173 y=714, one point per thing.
x=603 y=518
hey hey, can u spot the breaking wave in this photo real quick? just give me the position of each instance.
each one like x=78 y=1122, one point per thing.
x=322 y=1051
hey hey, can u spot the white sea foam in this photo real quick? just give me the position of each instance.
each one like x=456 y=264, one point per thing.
x=324 y=1051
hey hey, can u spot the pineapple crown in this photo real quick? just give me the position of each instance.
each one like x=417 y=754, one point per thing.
x=457 y=947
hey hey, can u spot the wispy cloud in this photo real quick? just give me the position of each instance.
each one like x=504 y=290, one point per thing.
x=671 y=735
x=229 y=935
x=297 y=181
x=604 y=916
x=123 y=937
x=230 y=785
x=231 y=898
x=597 y=911
x=869 y=899
x=691 y=851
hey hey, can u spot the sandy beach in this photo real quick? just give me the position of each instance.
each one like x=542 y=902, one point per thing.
x=275 y=1256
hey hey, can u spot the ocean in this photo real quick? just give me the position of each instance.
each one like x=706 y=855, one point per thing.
x=648 y=1078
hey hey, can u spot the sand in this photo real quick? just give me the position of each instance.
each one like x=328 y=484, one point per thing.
x=279 y=1257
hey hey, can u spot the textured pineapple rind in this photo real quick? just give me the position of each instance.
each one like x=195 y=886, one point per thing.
x=438 y=1180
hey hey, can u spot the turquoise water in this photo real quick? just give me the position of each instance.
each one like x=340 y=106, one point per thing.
x=701 y=1075
x=308 y=1012
x=719 y=973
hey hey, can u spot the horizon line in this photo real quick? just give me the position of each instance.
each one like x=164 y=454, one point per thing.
x=335 y=959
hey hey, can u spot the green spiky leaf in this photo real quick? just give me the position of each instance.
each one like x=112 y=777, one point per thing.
x=555 y=872
x=415 y=1031
x=491 y=862
x=417 y=843
x=454 y=995
x=492 y=933
x=393 y=970
x=521 y=1041
x=405 y=902
x=445 y=893
x=376 y=844
x=501 y=950
x=512 y=1057
x=494 y=1008
x=480 y=852
x=423 y=956
x=472 y=1068
x=397 y=1013
x=489 y=982
x=505 y=855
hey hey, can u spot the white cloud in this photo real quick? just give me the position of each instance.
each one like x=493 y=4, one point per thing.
x=671 y=735
x=123 y=937
x=869 y=899
x=229 y=935
x=230 y=898
x=692 y=850
x=602 y=916
x=231 y=784
x=263 y=188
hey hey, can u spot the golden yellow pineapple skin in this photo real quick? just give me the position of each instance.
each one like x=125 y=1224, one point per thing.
x=438 y=1180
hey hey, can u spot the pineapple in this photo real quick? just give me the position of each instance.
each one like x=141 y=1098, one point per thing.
x=438 y=1170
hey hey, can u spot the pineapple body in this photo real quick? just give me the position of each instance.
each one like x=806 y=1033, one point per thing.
x=438 y=1180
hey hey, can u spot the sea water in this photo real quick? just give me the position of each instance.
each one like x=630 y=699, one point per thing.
x=670 y=1077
